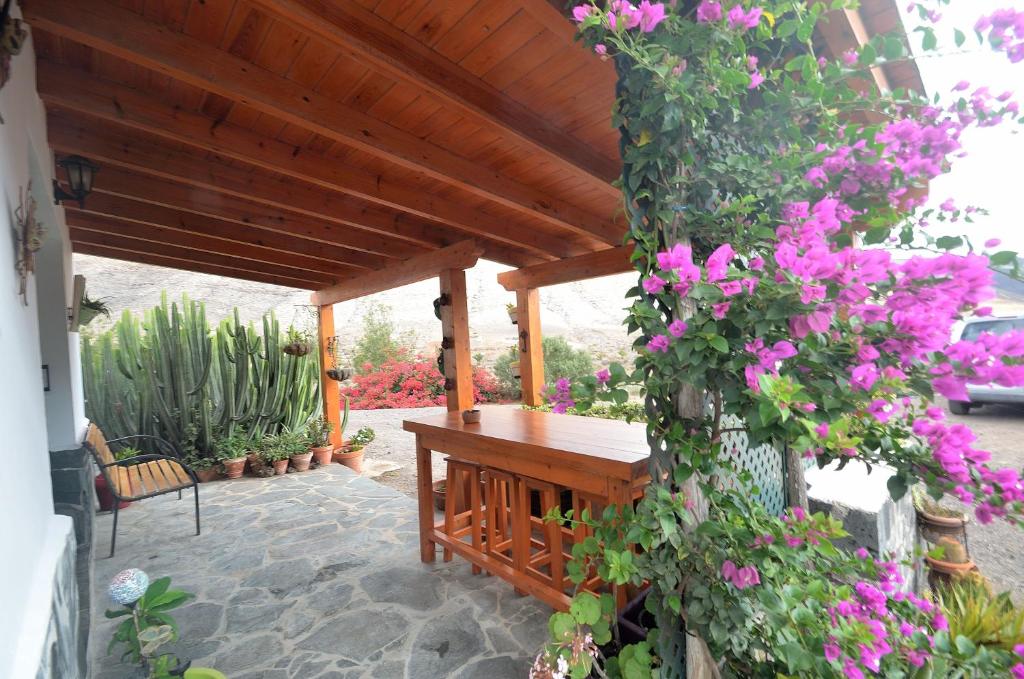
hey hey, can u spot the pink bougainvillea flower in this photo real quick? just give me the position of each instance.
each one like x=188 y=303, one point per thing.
x=1019 y=650
x=720 y=310
x=822 y=430
x=1017 y=671
x=650 y=15
x=600 y=49
x=864 y=376
x=756 y=264
x=849 y=57
x=603 y=375
x=581 y=12
x=992 y=243
x=677 y=327
x=832 y=651
x=730 y=288
x=658 y=343
x=755 y=79
x=654 y=284
x=718 y=262
x=740 y=18
x=709 y=11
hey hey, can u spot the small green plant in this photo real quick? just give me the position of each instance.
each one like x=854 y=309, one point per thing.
x=344 y=416
x=148 y=626
x=126 y=453
x=973 y=611
x=231 y=447
x=199 y=462
x=362 y=438
x=89 y=309
x=319 y=431
x=293 y=442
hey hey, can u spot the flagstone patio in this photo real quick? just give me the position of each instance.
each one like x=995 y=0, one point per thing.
x=315 y=576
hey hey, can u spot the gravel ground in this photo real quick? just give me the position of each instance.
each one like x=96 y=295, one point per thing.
x=998 y=548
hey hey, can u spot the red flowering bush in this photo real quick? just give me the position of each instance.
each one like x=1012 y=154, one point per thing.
x=415 y=383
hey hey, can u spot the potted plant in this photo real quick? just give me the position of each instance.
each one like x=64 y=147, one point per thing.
x=232 y=451
x=319 y=433
x=297 y=342
x=296 y=445
x=275 y=455
x=103 y=493
x=514 y=368
x=338 y=454
x=88 y=309
x=352 y=453
x=439 y=492
x=950 y=565
x=339 y=374
x=937 y=521
x=513 y=313
x=206 y=467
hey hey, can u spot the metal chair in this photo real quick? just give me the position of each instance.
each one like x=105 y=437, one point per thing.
x=141 y=476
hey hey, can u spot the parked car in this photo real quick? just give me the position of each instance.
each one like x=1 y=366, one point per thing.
x=986 y=394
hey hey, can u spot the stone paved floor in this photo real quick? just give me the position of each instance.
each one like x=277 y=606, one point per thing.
x=315 y=576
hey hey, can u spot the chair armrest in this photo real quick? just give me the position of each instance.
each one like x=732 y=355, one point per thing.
x=160 y=442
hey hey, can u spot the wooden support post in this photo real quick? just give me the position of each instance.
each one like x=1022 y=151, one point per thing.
x=531 y=348
x=329 y=391
x=458 y=364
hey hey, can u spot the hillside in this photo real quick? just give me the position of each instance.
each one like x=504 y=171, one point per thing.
x=587 y=314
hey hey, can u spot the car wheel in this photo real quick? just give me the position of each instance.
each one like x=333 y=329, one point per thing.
x=959 y=407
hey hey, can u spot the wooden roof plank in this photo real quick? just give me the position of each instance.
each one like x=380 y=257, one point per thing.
x=103 y=26
x=594 y=265
x=462 y=255
x=75 y=90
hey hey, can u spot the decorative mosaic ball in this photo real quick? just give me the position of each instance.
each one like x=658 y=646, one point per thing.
x=128 y=586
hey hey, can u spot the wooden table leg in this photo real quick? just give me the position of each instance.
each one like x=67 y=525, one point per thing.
x=424 y=493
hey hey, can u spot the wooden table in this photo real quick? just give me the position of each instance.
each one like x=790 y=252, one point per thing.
x=605 y=458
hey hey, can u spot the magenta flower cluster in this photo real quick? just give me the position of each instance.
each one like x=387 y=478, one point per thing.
x=623 y=15
x=1005 y=29
x=561 y=396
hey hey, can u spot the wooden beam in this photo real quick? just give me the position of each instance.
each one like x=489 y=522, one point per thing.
x=159 y=235
x=326 y=258
x=458 y=363
x=299 y=277
x=305 y=234
x=594 y=265
x=81 y=92
x=531 y=347
x=131 y=151
x=842 y=30
x=329 y=390
x=108 y=28
x=367 y=37
x=460 y=256
x=154 y=259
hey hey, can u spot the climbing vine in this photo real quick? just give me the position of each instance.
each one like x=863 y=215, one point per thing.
x=788 y=277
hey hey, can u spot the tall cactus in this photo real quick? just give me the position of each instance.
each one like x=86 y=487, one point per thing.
x=170 y=376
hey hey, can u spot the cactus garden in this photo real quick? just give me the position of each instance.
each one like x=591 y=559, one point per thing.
x=170 y=374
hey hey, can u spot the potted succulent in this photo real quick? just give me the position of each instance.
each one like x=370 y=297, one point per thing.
x=513 y=313
x=352 y=452
x=231 y=450
x=296 y=445
x=103 y=493
x=275 y=455
x=88 y=309
x=937 y=521
x=951 y=565
x=319 y=433
x=297 y=342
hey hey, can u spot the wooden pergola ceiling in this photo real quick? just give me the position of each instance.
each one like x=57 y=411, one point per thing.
x=312 y=142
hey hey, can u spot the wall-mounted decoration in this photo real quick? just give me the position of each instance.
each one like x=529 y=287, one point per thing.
x=29 y=234
x=12 y=38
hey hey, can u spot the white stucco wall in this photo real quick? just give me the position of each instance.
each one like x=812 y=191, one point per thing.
x=29 y=527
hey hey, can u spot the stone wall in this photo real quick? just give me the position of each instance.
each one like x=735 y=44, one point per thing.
x=71 y=473
x=61 y=658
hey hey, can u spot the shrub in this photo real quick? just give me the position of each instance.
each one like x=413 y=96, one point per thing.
x=630 y=411
x=560 y=360
x=378 y=343
x=411 y=384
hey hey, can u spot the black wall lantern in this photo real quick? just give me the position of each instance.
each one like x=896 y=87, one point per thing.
x=80 y=173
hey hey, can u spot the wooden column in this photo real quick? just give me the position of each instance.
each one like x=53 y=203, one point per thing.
x=329 y=390
x=531 y=349
x=458 y=364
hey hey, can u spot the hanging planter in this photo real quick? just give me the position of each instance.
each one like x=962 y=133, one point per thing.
x=297 y=348
x=514 y=367
x=513 y=313
x=340 y=374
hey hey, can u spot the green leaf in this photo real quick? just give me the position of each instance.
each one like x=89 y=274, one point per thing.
x=949 y=242
x=868 y=55
x=585 y=608
x=964 y=646
x=892 y=49
x=1002 y=258
x=958 y=37
x=897 y=486
x=720 y=344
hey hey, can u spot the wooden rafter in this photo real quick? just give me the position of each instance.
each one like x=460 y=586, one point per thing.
x=459 y=256
x=594 y=265
x=138 y=154
x=78 y=91
x=159 y=235
x=128 y=210
x=154 y=259
x=106 y=27
x=842 y=30
x=367 y=37
x=145 y=252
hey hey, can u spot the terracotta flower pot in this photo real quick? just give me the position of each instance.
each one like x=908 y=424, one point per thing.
x=301 y=461
x=934 y=526
x=439 y=494
x=104 y=496
x=208 y=474
x=353 y=459
x=322 y=455
x=946 y=572
x=280 y=467
x=471 y=416
x=233 y=469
